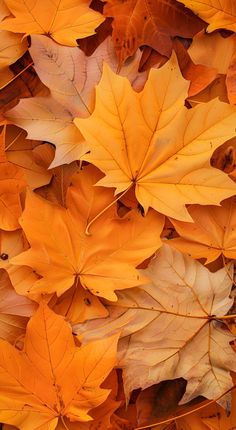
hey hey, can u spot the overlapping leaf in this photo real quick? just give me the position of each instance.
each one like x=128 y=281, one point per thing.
x=211 y=234
x=71 y=78
x=64 y=20
x=63 y=254
x=151 y=140
x=168 y=327
x=152 y=23
x=56 y=377
x=219 y=14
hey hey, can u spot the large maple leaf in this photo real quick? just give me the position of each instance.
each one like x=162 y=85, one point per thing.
x=211 y=234
x=64 y=20
x=168 y=327
x=63 y=254
x=151 y=140
x=51 y=377
x=152 y=23
x=219 y=14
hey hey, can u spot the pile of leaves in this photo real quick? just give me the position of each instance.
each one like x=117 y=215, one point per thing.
x=117 y=214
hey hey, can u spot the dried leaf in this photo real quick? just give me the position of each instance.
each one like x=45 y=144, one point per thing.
x=168 y=327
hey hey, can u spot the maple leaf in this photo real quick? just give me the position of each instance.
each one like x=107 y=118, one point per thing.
x=56 y=377
x=72 y=93
x=168 y=328
x=218 y=14
x=166 y=154
x=64 y=20
x=152 y=23
x=103 y=261
x=209 y=243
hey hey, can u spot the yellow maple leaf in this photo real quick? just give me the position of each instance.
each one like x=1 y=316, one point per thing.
x=64 y=20
x=219 y=14
x=152 y=140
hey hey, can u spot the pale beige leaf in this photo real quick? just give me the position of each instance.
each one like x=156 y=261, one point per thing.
x=45 y=119
x=167 y=327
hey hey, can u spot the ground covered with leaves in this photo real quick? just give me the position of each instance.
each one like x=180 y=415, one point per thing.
x=117 y=214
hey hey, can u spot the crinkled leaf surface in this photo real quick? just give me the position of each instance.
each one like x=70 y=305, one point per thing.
x=167 y=329
x=103 y=261
x=219 y=14
x=52 y=377
x=152 y=140
x=64 y=20
x=213 y=232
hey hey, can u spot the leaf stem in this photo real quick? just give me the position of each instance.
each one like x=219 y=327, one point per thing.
x=63 y=422
x=104 y=210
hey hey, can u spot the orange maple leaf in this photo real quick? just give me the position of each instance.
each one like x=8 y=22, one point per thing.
x=52 y=378
x=63 y=254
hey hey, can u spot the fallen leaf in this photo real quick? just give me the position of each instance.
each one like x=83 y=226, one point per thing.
x=78 y=305
x=218 y=14
x=200 y=76
x=21 y=152
x=45 y=119
x=56 y=377
x=212 y=233
x=73 y=85
x=63 y=20
x=51 y=118
x=169 y=329
x=103 y=261
x=213 y=50
x=170 y=168
x=152 y=23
